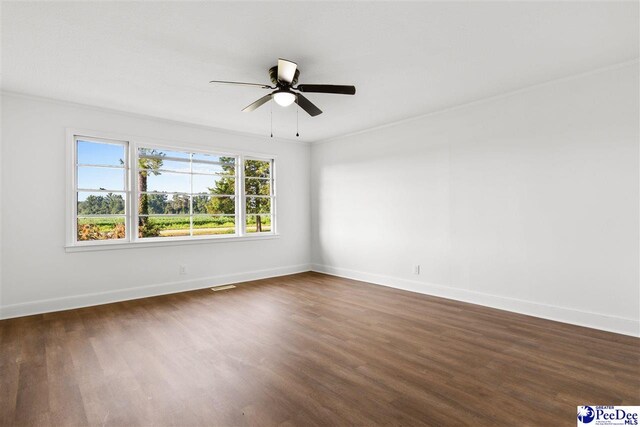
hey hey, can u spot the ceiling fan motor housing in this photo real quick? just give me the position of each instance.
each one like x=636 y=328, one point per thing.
x=273 y=74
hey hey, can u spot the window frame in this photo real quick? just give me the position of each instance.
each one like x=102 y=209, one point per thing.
x=134 y=178
x=272 y=197
x=131 y=240
x=73 y=190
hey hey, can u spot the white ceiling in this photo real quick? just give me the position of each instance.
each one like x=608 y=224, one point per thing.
x=405 y=59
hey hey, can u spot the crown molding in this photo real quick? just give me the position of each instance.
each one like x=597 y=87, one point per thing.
x=22 y=95
x=480 y=101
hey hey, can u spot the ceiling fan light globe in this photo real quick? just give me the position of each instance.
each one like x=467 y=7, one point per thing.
x=284 y=99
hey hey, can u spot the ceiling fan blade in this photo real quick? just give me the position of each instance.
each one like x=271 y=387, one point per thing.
x=257 y=103
x=338 y=89
x=241 y=84
x=286 y=70
x=307 y=105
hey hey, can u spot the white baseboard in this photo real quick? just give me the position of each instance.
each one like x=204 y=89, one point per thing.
x=560 y=314
x=86 y=300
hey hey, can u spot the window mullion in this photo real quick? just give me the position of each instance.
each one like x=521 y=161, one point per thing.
x=191 y=194
x=272 y=184
x=241 y=214
x=134 y=196
x=74 y=205
x=128 y=223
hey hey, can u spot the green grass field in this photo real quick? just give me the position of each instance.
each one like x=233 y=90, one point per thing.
x=103 y=227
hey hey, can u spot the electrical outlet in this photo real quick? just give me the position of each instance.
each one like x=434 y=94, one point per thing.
x=183 y=269
x=416 y=269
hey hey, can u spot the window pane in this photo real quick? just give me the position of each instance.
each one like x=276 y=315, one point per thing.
x=257 y=168
x=214 y=184
x=96 y=228
x=160 y=152
x=163 y=226
x=214 y=205
x=159 y=204
x=100 y=153
x=258 y=224
x=202 y=157
x=210 y=225
x=163 y=164
x=258 y=205
x=101 y=178
x=164 y=182
x=100 y=203
x=257 y=187
x=214 y=169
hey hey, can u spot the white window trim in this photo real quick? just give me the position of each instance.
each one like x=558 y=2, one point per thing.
x=131 y=218
x=273 y=196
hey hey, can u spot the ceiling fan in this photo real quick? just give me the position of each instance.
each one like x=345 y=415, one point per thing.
x=284 y=76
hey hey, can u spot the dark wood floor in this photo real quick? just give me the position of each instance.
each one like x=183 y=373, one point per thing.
x=305 y=350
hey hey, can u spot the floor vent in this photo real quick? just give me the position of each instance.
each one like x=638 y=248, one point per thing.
x=222 y=288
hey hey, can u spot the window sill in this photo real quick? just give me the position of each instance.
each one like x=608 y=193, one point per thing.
x=158 y=243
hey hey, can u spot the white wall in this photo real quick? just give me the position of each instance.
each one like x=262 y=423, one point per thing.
x=528 y=202
x=38 y=275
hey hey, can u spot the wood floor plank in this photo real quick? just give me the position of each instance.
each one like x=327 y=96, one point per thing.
x=304 y=350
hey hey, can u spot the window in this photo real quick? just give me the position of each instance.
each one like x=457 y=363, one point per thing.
x=259 y=196
x=101 y=190
x=131 y=193
x=185 y=193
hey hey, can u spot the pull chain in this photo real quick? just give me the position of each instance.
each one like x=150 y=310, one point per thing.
x=271 y=104
x=297 y=126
